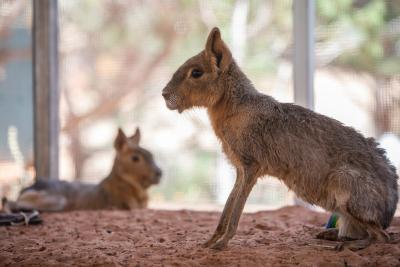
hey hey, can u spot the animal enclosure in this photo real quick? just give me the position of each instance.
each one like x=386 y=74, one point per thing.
x=112 y=71
x=113 y=60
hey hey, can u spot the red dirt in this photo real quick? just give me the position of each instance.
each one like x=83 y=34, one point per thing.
x=283 y=237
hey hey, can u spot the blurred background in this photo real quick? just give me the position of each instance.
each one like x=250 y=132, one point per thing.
x=116 y=57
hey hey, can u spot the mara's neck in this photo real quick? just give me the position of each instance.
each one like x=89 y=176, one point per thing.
x=117 y=180
x=236 y=88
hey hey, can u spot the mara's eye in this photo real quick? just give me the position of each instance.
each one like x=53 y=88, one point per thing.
x=135 y=158
x=196 y=73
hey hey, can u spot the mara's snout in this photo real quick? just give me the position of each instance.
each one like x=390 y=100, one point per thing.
x=170 y=99
x=157 y=175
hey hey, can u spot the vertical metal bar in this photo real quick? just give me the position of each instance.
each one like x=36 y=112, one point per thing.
x=45 y=86
x=303 y=65
x=303 y=60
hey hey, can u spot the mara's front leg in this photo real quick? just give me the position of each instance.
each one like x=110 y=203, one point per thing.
x=226 y=213
x=243 y=186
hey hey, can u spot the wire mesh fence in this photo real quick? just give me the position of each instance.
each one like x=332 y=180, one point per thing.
x=116 y=56
x=16 y=136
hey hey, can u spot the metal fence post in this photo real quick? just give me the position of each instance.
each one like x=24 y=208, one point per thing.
x=303 y=61
x=45 y=87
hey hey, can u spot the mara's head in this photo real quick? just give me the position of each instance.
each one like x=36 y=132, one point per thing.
x=133 y=163
x=196 y=82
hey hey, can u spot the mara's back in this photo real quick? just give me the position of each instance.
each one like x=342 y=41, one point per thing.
x=308 y=151
x=63 y=195
x=304 y=135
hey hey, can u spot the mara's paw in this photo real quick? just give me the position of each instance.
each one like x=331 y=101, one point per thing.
x=219 y=245
x=329 y=234
x=379 y=235
x=207 y=244
x=210 y=241
x=354 y=245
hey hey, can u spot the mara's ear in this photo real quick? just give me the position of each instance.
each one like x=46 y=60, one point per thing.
x=217 y=50
x=135 y=139
x=120 y=140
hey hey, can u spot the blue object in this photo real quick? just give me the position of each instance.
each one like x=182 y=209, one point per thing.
x=333 y=221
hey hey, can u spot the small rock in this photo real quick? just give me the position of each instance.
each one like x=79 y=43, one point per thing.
x=261 y=226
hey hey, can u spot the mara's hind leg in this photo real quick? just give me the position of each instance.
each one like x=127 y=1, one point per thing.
x=350 y=234
x=39 y=200
x=360 y=203
x=376 y=233
x=331 y=234
x=359 y=235
x=348 y=229
x=360 y=227
x=363 y=217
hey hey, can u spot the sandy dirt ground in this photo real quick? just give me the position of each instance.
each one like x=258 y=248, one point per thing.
x=284 y=237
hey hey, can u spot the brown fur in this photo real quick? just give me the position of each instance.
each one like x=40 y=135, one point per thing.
x=321 y=160
x=133 y=172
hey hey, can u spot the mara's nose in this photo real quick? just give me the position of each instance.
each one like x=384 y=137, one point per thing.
x=165 y=94
x=158 y=172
